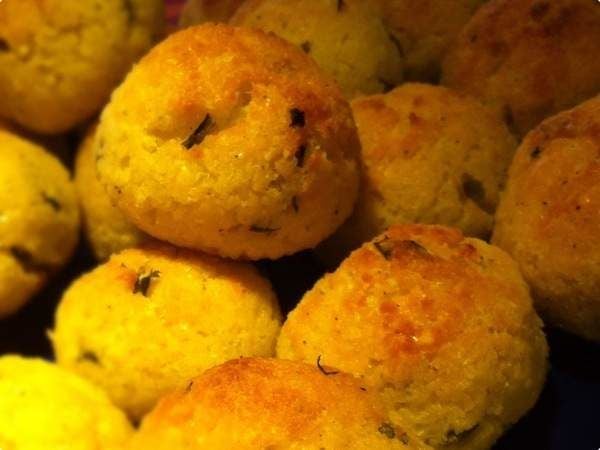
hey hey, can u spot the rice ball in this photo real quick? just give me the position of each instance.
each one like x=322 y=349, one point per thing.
x=150 y=318
x=39 y=219
x=232 y=142
x=528 y=59
x=346 y=38
x=45 y=407
x=60 y=59
x=440 y=325
x=549 y=217
x=106 y=228
x=257 y=403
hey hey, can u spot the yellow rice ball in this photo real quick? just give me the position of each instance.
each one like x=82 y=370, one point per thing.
x=257 y=403
x=106 y=228
x=60 y=59
x=424 y=30
x=441 y=326
x=44 y=407
x=424 y=160
x=199 y=11
x=346 y=38
x=528 y=59
x=232 y=142
x=549 y=217
x=150 y=318
x=39 y=219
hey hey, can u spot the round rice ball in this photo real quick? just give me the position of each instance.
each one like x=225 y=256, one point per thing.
x=256 y=403
x=45 y=407
x=232 y=142
x=106 y=228
x=39 y=219
x=60 y=59
x=549 y=217
x=440 y=325
x=346 y=38
x=528 y=59
x=150 y=318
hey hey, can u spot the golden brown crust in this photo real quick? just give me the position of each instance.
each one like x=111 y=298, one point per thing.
x=256 y=403
x=414 y=311
x=248 y=182
x=528 y=59
x=549 y=218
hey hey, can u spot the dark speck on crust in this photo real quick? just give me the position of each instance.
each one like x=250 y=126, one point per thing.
x=385 y=247
x=535 y=153
x=199 y=133
x=539 y=10
x=297 y=119
x=341 y=4
x=323 y=370
x=300 y=155
x=54 y=204
x=306 y=46
x=4 y=47
x=89 y=356
x=143 y=280
x=387 y=430
x=260 y=229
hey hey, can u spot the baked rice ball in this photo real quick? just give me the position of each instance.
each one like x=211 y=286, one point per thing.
x=45 y=407
x=39 y=219
x=424 y=30
x=346 y=38
x=257 y=403
x=60 y=59
x=230 y=141
x=549 y=218
x=106 y=228
x=199 y=11
x=424 y=161
x=440 y=325
x=528 y=59
x=149 y=318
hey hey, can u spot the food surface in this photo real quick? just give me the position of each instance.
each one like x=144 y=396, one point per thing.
x=39 y=219
x=549 y=217
x=441 y=326
x=60 y=59
x=346 y=38
x=424 y=161
x=199 y=11
x=528 y=59
x=44 y=407
x=256 y=403
x=230 y=141
x=106 y=228
x=424 y=30
x=148 y=319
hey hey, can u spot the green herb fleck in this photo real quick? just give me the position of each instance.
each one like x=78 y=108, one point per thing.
x=199 y=133
x=143 y=280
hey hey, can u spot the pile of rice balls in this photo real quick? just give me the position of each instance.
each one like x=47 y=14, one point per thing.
x=441 y=158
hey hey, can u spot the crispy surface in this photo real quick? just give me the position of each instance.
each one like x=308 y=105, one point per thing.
x=425 y=29
x=199 y=11
x=528 y=59
x=150 y=318
x=347 y=39
x=60 y=59
x=39 y=219
x=256 y=403
x=106 y=228
x=440 y=325
x=424 y=161
x=44 y=407
x=252 y=181
x=549 y=217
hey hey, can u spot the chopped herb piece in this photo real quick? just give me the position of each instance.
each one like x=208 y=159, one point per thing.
x=341 y=4
x=385 y=247
x=199 y=133
x=259 y=229
x=295 y=205
x=387 y=430
x=54 y=204
x=306 y=46
x=535 y=153
x=143 y=280
x=297 y=118
x=300 y=155
x=89 y=356
x=4 y=47
x=323 y=370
